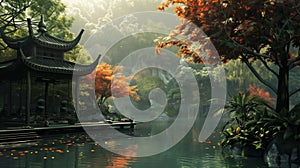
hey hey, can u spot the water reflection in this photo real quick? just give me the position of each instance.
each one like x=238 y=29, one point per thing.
x=78 y=150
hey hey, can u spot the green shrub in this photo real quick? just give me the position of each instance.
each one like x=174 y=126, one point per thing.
x=249 y=124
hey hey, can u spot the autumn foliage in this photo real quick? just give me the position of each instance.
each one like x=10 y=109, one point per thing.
x=236 y=26
x=267 y=31
x=261 y=93
x=109 y=81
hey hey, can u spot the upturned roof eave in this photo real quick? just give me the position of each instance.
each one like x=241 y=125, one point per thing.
x=69 y=68
x=49 y=41
x=54 y=42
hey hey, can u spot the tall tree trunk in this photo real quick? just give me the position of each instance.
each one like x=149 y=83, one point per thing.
x=283 y=90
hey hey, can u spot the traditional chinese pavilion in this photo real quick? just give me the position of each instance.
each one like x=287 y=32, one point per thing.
x=37 y=71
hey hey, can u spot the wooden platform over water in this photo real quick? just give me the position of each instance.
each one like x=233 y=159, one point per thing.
x=13 y=135
x=68 y=128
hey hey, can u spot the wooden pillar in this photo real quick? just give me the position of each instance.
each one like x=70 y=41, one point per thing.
x=34 y=51
x=20 y=96
x=2 y=98
x=69 y=88
x=10 y=99
x=46 y=101
x=28 y=99
x=76 y=95
x=55 y=103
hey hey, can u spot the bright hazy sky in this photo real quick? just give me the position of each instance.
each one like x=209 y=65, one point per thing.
x=91 y=14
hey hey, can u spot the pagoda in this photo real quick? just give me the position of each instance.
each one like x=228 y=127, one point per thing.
x=39 y=66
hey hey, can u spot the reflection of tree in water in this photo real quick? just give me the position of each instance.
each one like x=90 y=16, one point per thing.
x=124 y=160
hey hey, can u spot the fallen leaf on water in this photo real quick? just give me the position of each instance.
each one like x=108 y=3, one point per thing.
x=59 y=151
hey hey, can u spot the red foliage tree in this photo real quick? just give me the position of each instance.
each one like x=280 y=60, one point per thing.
x=110 y=82
x=261 y=93
x=256 y=30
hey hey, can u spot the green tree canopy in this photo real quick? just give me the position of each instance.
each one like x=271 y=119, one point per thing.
x=13 y=19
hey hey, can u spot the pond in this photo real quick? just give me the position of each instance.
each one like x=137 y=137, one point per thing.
x=78 y=150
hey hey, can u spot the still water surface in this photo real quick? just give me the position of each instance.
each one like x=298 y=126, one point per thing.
x=78 y=150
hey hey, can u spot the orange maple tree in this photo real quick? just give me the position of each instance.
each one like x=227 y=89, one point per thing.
x=255 y=30
x=109 y=81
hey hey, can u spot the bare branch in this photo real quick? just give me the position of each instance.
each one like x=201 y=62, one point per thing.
x=9 y=17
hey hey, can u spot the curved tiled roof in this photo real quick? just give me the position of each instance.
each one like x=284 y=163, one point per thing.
x=58 y=66
x=45 y=64
x=13 y=43
x=48 y=41
x=42 y=38
x=48 y=65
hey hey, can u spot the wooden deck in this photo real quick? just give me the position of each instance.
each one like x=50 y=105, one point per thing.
x=15 y=135
x=66 y=127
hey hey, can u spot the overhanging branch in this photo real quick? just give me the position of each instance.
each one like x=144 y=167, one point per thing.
x=268 y=67
x=294 y=63
x=249 y=51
